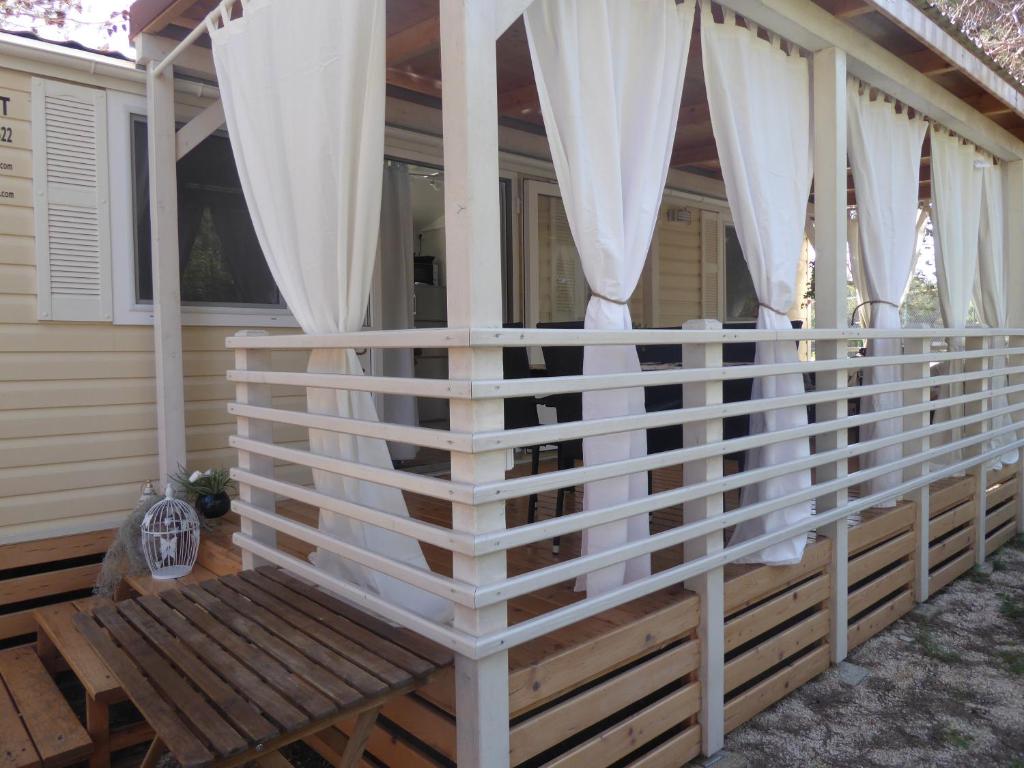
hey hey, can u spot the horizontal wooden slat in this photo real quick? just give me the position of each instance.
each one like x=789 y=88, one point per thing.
x=17 y=623
x=999 y=517
x=879 y=526
x=870 y=593
x=773 y=688
x=757 y=583
x=579 y=663
x=38 y=585
x=950 y=571
x=874 y=622
x=678 y=750
x=775 y=650
x=958 y=542
x=950 y=492
x=622 y=738
x=755 y=622
x=874 y=560
x=950 y=520
x=536 y=734
x=55 y=549
x=1000 y=537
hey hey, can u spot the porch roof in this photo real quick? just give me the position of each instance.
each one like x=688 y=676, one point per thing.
x=912 y=31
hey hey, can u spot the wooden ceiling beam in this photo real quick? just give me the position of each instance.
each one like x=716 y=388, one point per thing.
x=154 y=15
x=928 y=62
x=519 y=101
x=849 y=9
x=415 y=41
x=695 y=154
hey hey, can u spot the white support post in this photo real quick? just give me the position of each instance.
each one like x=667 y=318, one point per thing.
x=163 y=217
x=922 y=496
x=1015 y=360
x=829 y=100
x=473 y=247
x=1013 y=186
x=255 y=429
x=710 y=586
x=976 y=344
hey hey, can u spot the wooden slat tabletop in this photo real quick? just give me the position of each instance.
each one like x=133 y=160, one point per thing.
x=239 y=665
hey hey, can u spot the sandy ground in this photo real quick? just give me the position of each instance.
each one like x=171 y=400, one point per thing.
x=945 y=687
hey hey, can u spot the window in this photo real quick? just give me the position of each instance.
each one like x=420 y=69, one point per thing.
x=740 y=297
x=558 y=288
x=220 y=258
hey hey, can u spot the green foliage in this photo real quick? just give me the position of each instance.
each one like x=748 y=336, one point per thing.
x=1014 y=663
x=1011 y=607
x=930 y=647
x=955 y=738
x=208 y=483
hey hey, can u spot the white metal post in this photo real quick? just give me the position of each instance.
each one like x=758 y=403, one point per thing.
x=830 y=310
x=255 y=429
x=163 y=224
x=710 y=586
x=473 y=248
x=975 y=344
x=922 y=496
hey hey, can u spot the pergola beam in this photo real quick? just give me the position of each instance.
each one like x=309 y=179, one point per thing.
x=410 y=43
x=192 y=134
x=163 y=206
x=812 y=27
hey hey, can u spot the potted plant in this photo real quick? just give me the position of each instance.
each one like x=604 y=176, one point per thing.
x=208 y=490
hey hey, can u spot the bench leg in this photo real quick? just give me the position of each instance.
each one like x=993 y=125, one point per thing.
x=153 y=754
x=97 y=723
x=357 y=740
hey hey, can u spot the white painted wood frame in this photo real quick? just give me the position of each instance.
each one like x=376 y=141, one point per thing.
x=829 y=109
x=919 y=371
x=979 y=473
x=469 y=29
x=710 y=585
x=163 y=206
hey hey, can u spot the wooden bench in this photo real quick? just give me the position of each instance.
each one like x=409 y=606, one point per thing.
x=59 y=643
x=37 y=727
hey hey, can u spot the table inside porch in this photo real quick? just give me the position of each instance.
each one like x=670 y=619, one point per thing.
x=230 y=670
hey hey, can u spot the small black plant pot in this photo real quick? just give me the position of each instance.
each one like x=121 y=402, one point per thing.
x=213 y=505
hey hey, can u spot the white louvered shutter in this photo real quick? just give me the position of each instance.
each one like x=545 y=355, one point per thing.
x=710 y=266
x=72 y=216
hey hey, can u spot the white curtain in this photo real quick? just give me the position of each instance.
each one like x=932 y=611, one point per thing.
x=990 y=296
x=956 y=199
x=885 y=155
x=303 y=90
x=396 y=249
x=760 y=112
x=610 y=78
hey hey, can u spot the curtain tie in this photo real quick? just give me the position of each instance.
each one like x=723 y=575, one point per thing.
x=770 y=308
x=870 y=301
x=607 y=298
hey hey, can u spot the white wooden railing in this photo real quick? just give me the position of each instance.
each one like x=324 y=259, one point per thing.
x=984 y=354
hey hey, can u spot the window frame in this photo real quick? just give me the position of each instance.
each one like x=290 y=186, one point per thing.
x=121 y=107
x=724 y=222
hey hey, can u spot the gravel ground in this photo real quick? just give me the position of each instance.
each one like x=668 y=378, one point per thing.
x=945 y=687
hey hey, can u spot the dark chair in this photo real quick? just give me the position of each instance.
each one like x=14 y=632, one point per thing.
x=564 y=361
x=521 y=412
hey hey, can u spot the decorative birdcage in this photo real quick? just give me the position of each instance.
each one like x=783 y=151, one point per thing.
x=170 y=537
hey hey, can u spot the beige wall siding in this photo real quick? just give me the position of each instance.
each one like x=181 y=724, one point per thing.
x=678 y=280
x=77 y=400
